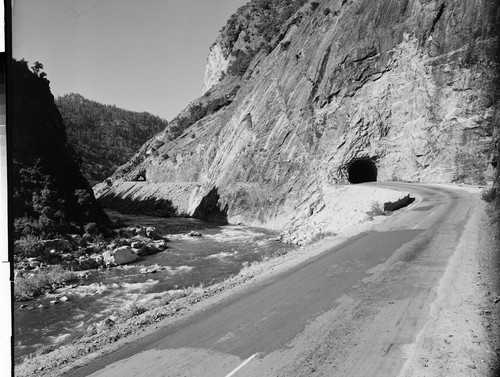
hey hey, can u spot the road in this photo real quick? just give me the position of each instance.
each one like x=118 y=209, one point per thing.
x=354 y=310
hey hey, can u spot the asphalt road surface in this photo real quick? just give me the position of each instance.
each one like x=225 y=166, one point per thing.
x=354 y=310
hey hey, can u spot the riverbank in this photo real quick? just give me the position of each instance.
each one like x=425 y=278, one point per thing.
x=43 y=266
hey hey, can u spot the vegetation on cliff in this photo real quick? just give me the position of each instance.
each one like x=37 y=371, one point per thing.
x=207 y=105
x=254 y=27
x=105 y=136
x=49 y=194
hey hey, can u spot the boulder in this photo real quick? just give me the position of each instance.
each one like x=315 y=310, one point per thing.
x=140 y=230
x=119 y=256
x=117 y=243
x=87 y=238
x=127 y=232
x=137 y=244
x=160 y=244
x=153 y=234
x=88 y=264
x=148 y=249
x=194 y=234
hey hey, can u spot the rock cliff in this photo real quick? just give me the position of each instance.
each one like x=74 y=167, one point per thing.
x=344 y=91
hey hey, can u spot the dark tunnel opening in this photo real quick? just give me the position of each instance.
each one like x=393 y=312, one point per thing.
x=141 y=177
x=362 y=170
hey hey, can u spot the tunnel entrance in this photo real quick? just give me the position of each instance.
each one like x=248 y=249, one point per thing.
x=141 y=177
x=362 y=170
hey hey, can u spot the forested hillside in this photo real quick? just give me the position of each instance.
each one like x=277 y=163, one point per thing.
x=104 y=136
x=50 y=196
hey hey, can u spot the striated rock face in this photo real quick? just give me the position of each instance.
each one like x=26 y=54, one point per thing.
x=406 y=87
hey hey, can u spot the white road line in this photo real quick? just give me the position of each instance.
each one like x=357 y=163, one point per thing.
x=446 y=197
x=242 y=365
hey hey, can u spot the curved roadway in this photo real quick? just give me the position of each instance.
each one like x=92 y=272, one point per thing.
x=354 y=310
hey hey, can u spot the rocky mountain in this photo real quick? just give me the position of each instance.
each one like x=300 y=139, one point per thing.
x=104 y=136
x=49 y=193
x=252 y=28
x=328 y=92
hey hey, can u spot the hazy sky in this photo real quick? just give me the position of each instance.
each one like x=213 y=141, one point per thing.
x=143 y=55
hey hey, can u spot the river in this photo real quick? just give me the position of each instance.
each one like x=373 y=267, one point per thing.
x=190 y=261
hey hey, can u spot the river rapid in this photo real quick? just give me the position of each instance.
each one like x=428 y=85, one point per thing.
x=189 y=261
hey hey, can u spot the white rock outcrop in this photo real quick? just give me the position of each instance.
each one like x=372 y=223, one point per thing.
x=217 y=65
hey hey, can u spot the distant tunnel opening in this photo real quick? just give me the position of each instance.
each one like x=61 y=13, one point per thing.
x=141 y=177
x=362 y=170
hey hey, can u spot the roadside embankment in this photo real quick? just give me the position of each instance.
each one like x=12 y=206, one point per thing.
x=333 y=210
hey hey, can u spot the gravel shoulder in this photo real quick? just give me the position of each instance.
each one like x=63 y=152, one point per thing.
x=463 y=336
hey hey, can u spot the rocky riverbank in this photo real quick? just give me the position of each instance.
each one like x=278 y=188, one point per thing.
x=42 y=266
x=322 y=215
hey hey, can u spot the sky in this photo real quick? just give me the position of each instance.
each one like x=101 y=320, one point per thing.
x=141 y=55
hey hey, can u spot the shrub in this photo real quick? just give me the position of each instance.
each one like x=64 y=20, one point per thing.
x=489 y=195
x=29 y=246
x=37 y=206
x=241 y=62
x=45 y=350
x=85 y=203
x=376 y=210
x=321 y=235
x=29 y=286
x=132 y=310
x=91 y=228
x=266 y=48
x=199 y=111
x=314 y=6
x=285 y=45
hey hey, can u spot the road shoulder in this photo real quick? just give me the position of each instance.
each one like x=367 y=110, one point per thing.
x=462 y=336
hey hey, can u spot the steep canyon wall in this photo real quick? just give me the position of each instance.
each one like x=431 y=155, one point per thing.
x=409 y=84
